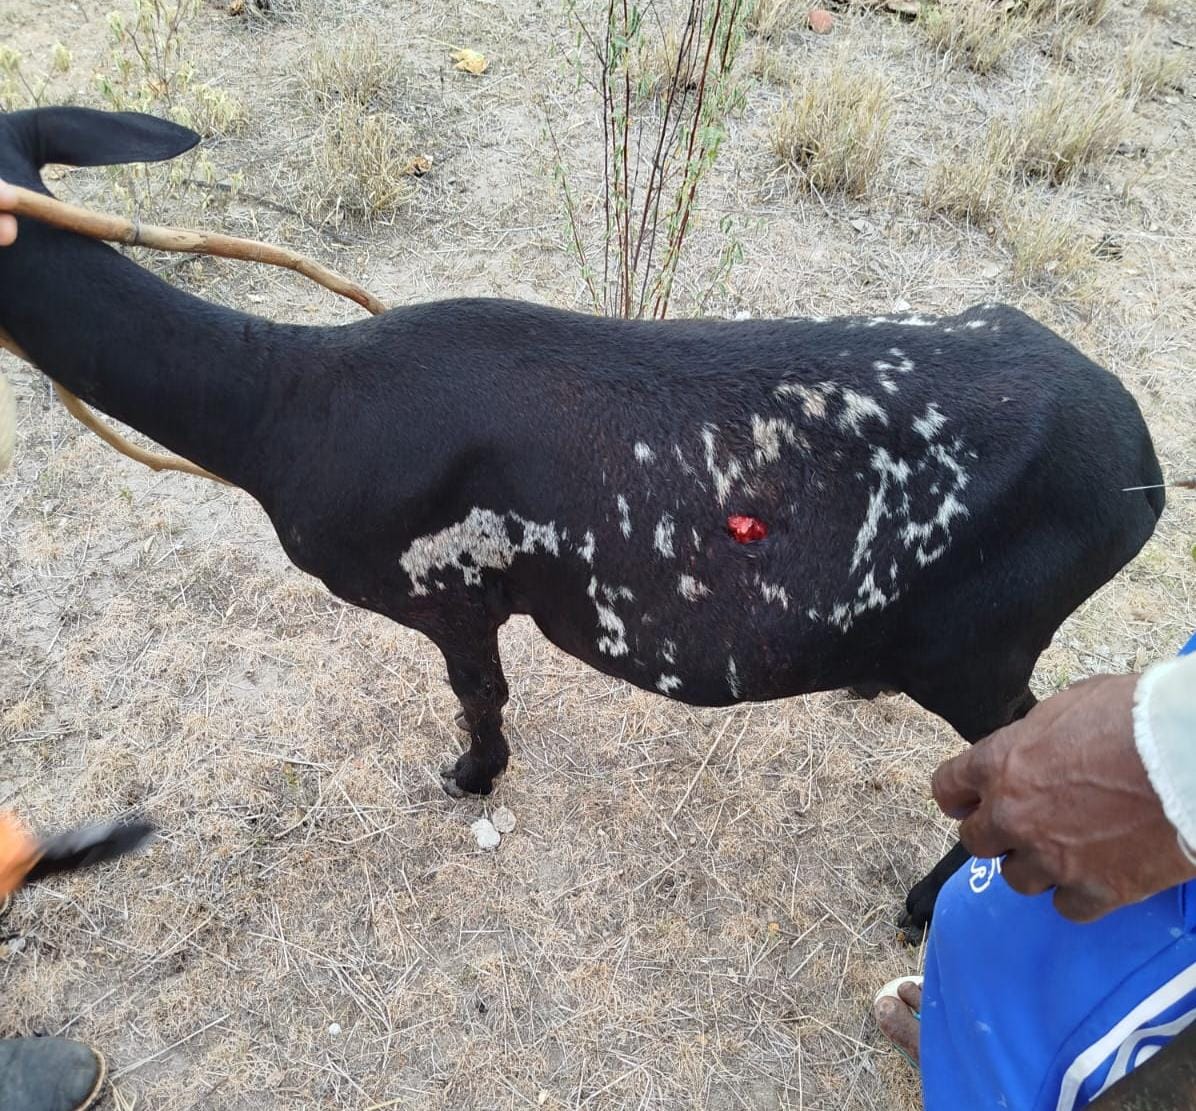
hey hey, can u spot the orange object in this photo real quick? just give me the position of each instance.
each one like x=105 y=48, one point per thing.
x=821 y=21
x=19 y=852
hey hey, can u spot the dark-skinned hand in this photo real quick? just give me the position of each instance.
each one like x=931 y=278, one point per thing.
x=1063 y=795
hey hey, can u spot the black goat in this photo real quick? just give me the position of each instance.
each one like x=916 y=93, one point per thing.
x=937 y=495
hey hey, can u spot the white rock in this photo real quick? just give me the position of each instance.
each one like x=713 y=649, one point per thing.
x=743 y=314
x=487 y=836
x=503 y=819
x=335 y=1029
x=902 y=305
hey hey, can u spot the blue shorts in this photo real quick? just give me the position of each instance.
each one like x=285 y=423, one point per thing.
x=1025 y=1011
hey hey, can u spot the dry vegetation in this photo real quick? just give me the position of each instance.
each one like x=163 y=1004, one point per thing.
x=833 y=130
x=696 y=906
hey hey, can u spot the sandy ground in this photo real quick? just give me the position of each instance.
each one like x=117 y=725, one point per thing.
x=696 y=906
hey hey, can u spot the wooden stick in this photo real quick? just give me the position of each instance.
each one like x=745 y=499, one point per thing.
x=118 y=229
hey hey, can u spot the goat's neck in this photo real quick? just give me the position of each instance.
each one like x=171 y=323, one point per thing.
x=202 y=380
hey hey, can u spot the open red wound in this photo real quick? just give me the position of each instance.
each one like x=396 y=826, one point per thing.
x=746 y=530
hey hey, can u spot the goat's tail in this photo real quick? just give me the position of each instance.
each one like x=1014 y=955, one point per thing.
x=8 y=424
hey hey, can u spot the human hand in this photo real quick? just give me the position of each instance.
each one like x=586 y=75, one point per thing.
x=8 y=224
x=1064 y=796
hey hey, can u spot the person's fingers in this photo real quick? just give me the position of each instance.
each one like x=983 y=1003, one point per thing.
x=1025 y=873
x=959 y=784
x=1083 y=903
x=982 y=836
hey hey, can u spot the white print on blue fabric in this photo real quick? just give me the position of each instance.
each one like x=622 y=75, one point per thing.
x=983 y=872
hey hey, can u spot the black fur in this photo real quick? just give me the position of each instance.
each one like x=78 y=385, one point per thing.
x=363 y=441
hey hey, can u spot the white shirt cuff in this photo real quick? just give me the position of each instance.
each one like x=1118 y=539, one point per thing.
x=1165 y=734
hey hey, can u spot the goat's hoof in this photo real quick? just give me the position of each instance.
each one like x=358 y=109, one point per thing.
x=461 y=779
x=909 y=930
x=460 y=722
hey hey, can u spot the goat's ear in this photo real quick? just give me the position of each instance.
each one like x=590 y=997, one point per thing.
x=87 y=137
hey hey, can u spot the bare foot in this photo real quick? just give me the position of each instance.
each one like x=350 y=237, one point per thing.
x=896 y=1020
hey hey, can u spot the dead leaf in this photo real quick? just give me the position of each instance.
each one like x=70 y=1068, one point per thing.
x=236 y=7
x=904 y=7
x=992 y=270
x=419 y=165
x=503 y=820
x=470 y=61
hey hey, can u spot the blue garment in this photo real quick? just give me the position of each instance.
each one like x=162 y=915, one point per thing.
x=1024 y=1010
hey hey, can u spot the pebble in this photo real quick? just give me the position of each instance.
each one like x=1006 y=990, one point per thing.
x=487 y=836
x=503 y=820
x=335 y=1029
x=821 y=21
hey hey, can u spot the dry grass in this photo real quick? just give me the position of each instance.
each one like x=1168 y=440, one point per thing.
x=771 y=18
x=1147 y=70
x=1159 y=8
x=1090 y=12
x=1046 y=245
x=976 y=187
x=350 y=66
x=975 y=34
x=1070 y=128
x=832 y=130
x=360 y=165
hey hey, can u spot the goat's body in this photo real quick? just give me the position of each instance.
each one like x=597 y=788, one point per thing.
x=939 y=495
x=582 y=470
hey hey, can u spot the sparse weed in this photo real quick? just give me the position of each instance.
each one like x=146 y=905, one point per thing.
x=833 y=131
x=667 y=91
x=360 y=166
x=1147 y=71
x=1090 y=12
x=974 y=188
x=769 y=18
x=1047 y=245
x=973 y=33
x=1068 y=129
x=350 y=66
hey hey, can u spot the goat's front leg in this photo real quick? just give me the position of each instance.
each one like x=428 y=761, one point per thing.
x=475 y=672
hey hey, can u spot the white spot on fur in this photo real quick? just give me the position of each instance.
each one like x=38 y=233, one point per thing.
x=890 y=470
x=586 y=551
x=858 y=407
x=664 y=536
x=624 y=515
x=669 y=651
x=886 y=383
x=813 y=398
x=690 y=589
x=773 y=593
x=481 y=542
x=768 y=436
x=697 y=539
x=733 y=678
x=929 y=426
x=643 y=453
x=976 y=324
x=667 y=683
x=724 y=477
x=614 y=644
